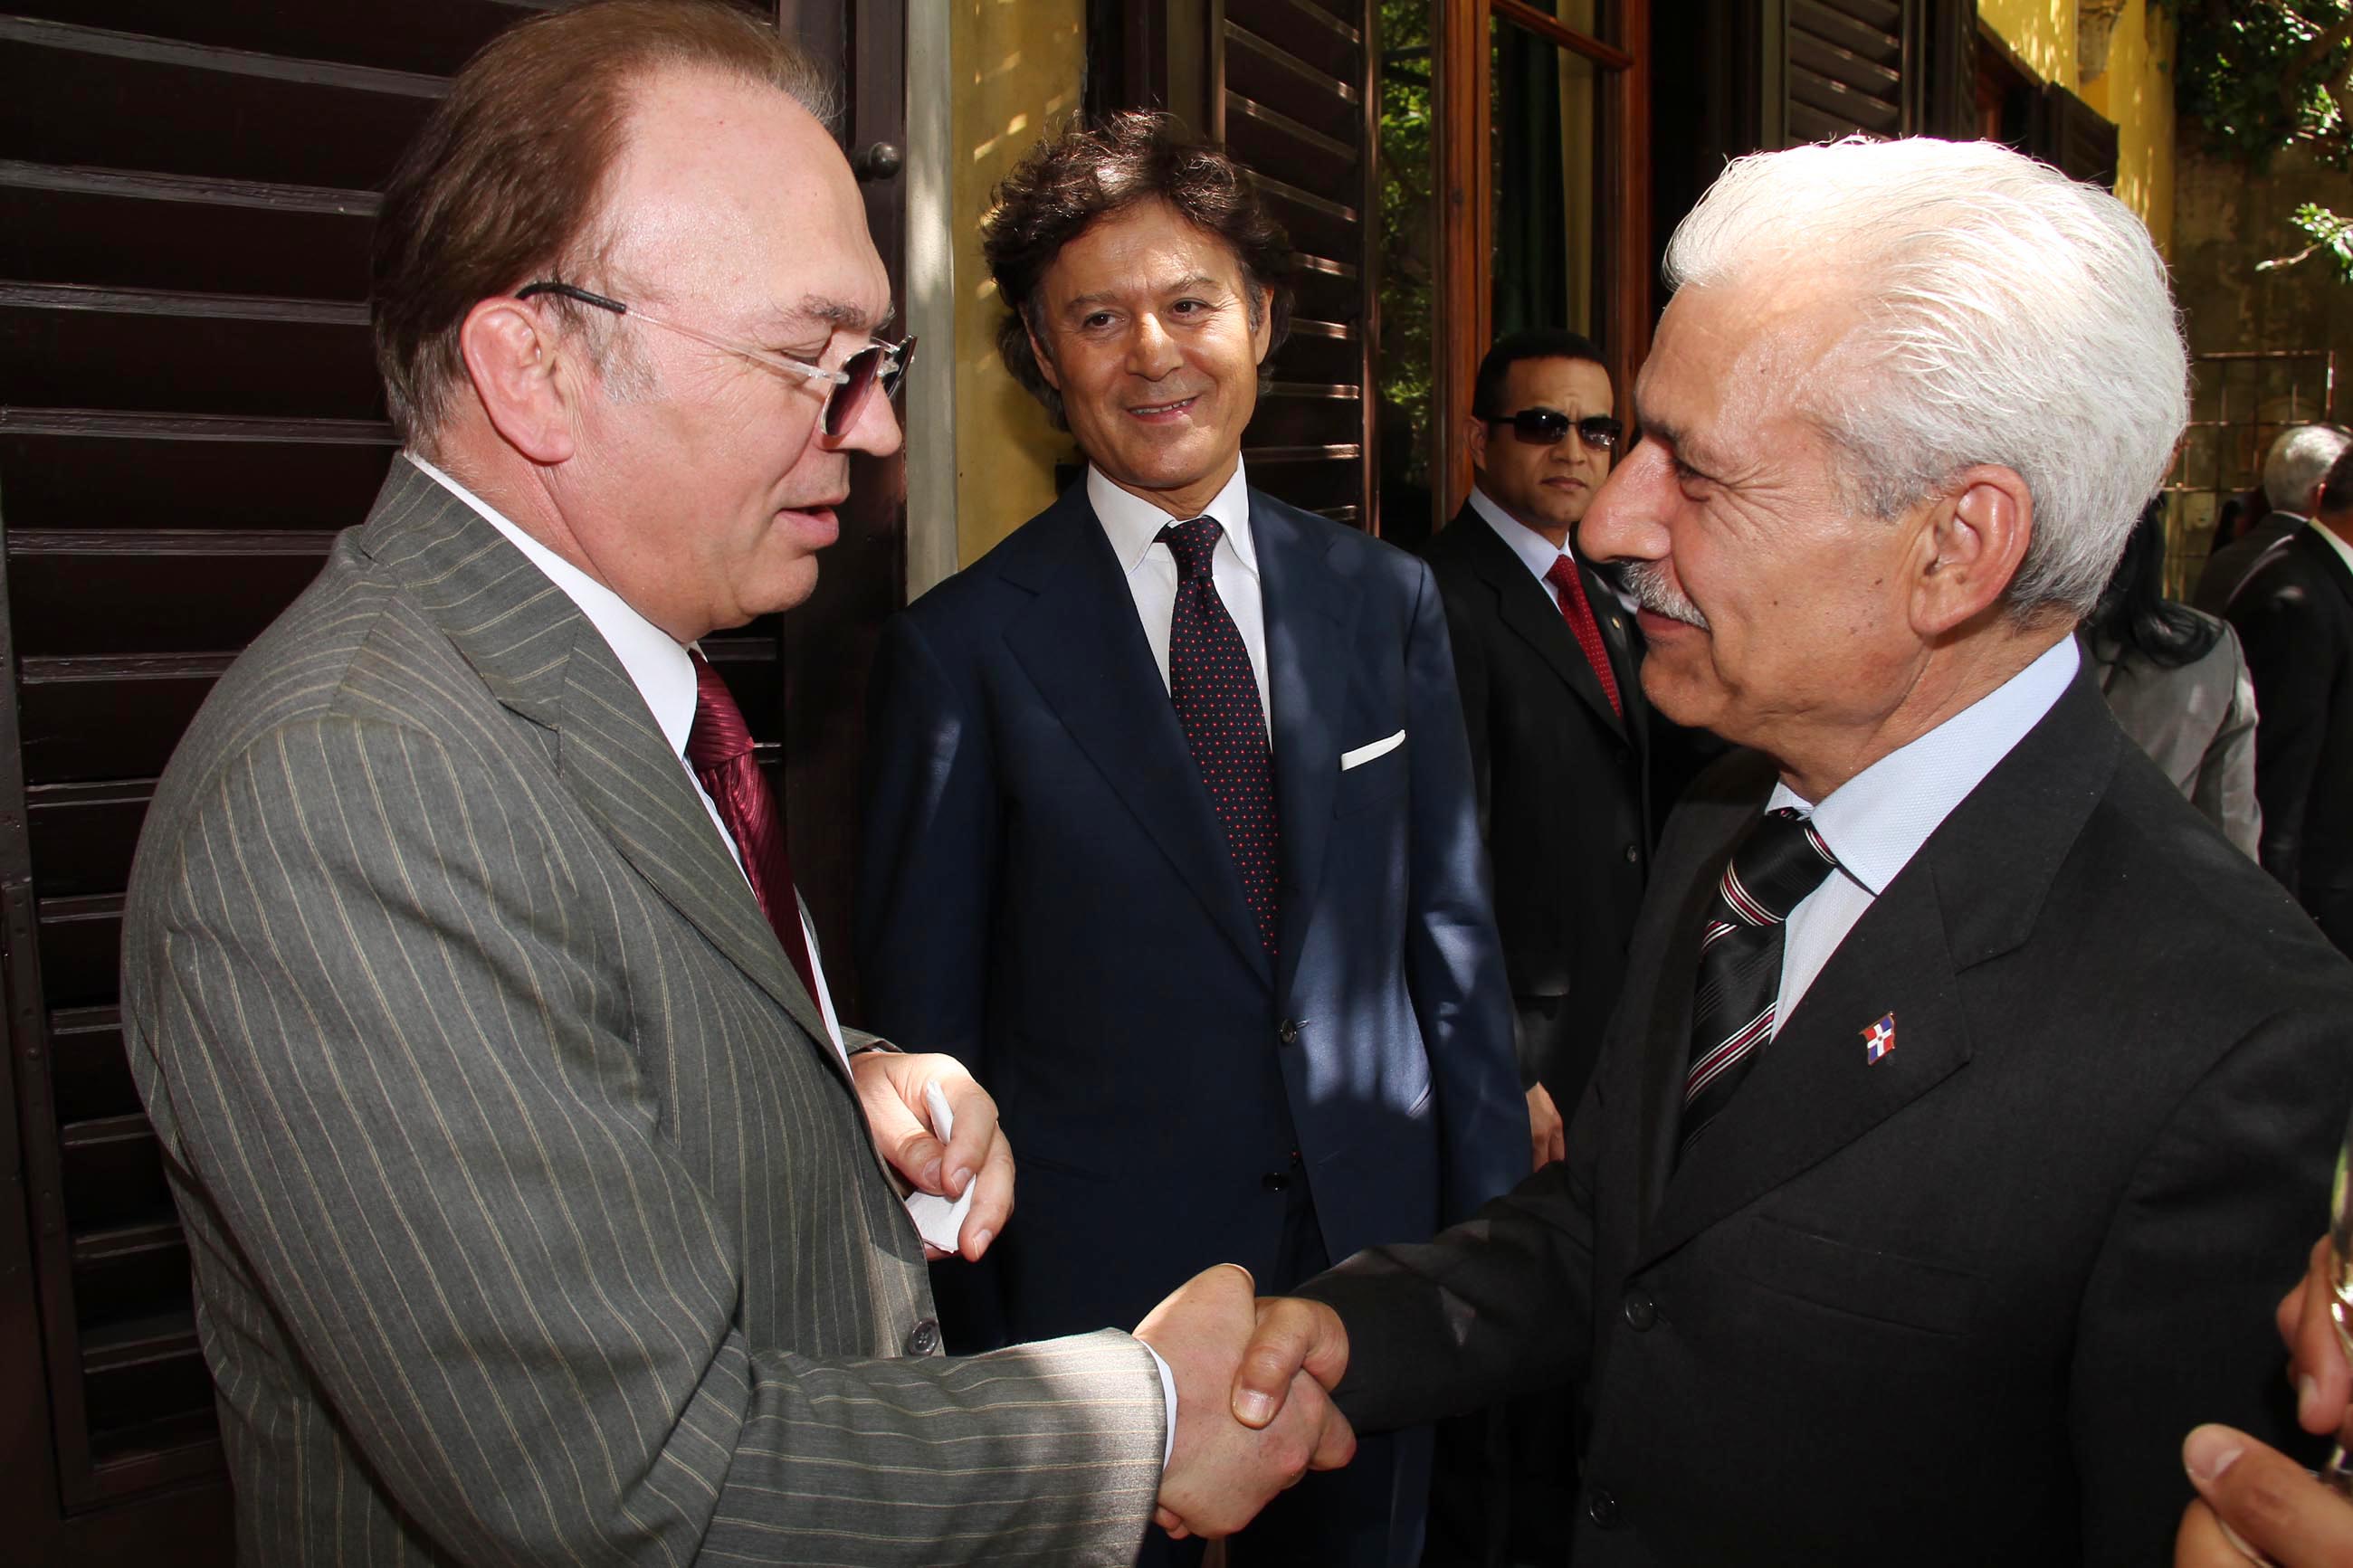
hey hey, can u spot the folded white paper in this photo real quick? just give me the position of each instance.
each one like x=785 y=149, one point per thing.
x=937 y=1219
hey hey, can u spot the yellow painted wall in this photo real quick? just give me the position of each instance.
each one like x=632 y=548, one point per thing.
x=2042 y=32
x=2135 y=90
x=1017 y=65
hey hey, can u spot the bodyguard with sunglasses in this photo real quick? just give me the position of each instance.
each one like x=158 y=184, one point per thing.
x=537 y=1197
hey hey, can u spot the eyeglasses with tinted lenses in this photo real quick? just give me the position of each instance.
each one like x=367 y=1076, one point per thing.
x=878 y=365
x=1545 y=427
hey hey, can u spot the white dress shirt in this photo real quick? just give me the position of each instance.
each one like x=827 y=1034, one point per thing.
x=1133 y=524
x=657 y=665
x=1876 y=821
x=1535 y=551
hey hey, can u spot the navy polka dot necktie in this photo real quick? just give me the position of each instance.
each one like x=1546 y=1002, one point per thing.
x=1216 y=694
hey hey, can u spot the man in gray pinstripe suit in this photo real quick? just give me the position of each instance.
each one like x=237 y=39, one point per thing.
x=534 y=1215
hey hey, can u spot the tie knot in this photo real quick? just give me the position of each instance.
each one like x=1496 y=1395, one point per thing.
x=1562 y=574
x=1780 y=861
x=720 y=735
x=1192 y=542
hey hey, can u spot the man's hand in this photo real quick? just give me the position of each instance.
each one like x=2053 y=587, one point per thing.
x=891 y=1086
x=1293 y=1337
x=1221 y=1472
x=2266 y=1497
x=1545 y=1132
x=2323 y=1384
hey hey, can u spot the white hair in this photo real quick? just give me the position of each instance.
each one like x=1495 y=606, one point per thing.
x=2009 y=315
x=2300 y=458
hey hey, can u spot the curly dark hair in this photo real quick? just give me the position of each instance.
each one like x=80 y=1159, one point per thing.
x=1070 y=182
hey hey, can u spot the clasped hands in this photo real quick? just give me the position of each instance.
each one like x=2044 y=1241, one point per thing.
x=1253 y=1413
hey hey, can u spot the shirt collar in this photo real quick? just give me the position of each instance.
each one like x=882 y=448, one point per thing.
x=655 y=663
x=1133 y=524
x=1535 y=551
x=1876 y=821
x=2344 y=551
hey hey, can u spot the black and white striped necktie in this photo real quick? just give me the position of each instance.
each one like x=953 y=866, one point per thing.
x=1780 y=861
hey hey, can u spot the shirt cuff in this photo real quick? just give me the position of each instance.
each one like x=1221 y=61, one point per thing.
x=1169 y=1398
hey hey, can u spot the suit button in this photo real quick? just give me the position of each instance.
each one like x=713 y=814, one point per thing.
x=1632 y=854
x=1274 y=1181
x=924 y=1339
x=1641 y=1312
x=1288 y=1032
x=1601 y=1508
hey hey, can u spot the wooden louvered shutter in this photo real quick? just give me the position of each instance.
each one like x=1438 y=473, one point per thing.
x=1284 y=85
x=1844 y=65
x=189 y=412
x=2073 y=136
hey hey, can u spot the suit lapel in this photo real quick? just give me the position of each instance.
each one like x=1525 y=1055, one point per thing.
x=543 y=660
x=1083 y=648
x=1308 y=618
x=1526 y=607
x=1971 y=893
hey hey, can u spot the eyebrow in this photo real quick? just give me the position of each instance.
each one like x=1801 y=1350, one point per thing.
x=1111 y=296
x=1656 y=429
x=839 y=314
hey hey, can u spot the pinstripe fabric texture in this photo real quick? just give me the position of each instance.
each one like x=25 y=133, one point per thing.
x=533 y=1219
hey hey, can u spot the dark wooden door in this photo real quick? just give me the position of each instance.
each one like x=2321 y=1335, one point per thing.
x=188 y=413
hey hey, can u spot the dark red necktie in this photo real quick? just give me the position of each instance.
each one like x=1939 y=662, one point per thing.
x=1216 y=693
x=1578 y=611
x=719 y=749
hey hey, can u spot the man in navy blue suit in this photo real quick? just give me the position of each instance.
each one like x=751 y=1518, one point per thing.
x=1170 y=827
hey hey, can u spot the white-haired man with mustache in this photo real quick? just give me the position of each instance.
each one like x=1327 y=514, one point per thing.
x=1935 y=1180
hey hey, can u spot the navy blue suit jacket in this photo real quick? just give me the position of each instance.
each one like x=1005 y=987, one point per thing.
x=1047 y=893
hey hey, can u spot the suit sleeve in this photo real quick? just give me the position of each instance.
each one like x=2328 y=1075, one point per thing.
x=1454 y=960
x=2225 y=788
x=2284 y=639
x=389 y=1072
x=2176 y=1325
x=1491 y=1310
x=927 y=863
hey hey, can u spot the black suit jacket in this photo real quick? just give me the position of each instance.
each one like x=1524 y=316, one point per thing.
x=1957 y=1306
x=2228 y=569
x=2294 y=617
x=1564 y=802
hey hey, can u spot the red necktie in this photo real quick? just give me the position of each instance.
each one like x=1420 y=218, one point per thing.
x=1579 y=613
x=1216 y=695
x=719 y=749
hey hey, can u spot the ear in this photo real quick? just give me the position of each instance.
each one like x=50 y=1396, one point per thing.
x=512 y=359
x=1973 y=540
x=1262 y=334
x=1475 y=432
x=1045 y=360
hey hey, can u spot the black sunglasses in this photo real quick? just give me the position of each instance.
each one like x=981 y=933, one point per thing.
x=877 y=365
x=1545 y=427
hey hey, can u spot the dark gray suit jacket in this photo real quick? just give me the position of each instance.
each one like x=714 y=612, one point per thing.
x=1954 y=1306
x=533 y=1218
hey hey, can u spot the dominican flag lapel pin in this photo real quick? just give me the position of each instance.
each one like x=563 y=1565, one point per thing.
x=1879 y=1039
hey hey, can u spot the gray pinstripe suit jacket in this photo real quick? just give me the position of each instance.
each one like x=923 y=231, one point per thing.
x=533 y=1218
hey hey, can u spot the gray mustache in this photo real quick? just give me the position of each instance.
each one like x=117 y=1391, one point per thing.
x=1647 y=581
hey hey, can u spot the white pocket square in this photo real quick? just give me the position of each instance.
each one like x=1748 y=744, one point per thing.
x=1363 y=754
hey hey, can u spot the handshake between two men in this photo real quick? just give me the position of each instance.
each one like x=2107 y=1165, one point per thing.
x=1253 y=1407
